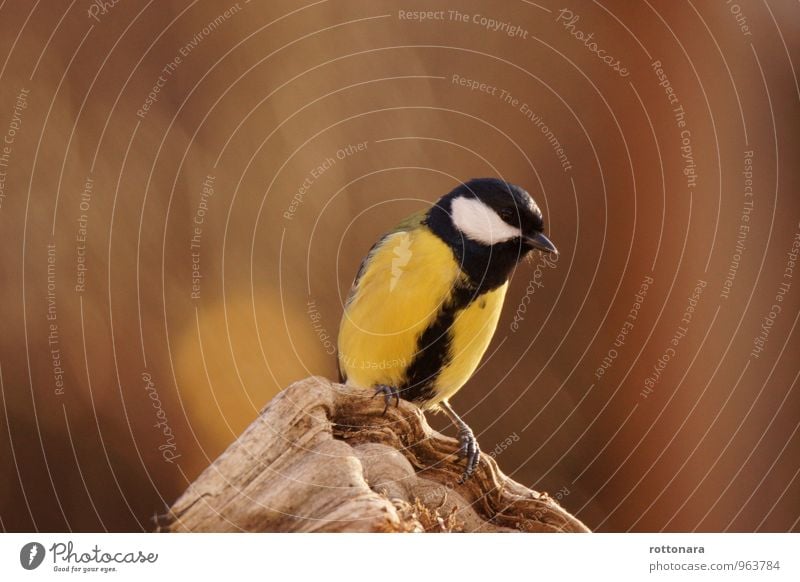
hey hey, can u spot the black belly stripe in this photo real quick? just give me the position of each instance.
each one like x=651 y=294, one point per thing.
x=434 y=347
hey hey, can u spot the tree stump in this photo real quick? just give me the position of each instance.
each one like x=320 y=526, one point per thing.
x=320 y=457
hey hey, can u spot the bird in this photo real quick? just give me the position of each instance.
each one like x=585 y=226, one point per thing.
x=427 y=297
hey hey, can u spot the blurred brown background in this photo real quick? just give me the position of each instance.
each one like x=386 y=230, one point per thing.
x=121 y=381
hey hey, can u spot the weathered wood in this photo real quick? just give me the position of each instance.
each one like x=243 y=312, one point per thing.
x=321 y=457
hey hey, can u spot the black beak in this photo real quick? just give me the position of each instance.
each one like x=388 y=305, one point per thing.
x=541 y=242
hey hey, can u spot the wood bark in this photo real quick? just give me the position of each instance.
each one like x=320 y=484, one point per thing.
x=321 y=458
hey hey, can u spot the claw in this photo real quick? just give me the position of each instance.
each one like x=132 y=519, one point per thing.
x=470 y=450
x=388 y=392
x=468 y=445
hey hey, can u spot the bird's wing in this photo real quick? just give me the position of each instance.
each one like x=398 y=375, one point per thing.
x=400 y=285
x=408 y=223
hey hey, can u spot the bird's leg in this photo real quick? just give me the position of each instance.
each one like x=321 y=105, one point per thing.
x=469 y=448
x=388 y=392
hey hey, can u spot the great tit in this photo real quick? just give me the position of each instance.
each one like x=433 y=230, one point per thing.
x=425 y=302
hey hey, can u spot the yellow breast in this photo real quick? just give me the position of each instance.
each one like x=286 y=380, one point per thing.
x=408 y=280
x=397 y=297
x=472 y=331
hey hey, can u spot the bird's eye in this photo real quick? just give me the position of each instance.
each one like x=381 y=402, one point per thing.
x=507 y=214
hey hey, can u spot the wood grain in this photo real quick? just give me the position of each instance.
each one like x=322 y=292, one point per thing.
x=321 y=458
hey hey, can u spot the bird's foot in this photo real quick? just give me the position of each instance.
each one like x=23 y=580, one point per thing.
x=470 y=450
x=388 y=392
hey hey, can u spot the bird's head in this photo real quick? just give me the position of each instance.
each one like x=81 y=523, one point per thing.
x=491 y=212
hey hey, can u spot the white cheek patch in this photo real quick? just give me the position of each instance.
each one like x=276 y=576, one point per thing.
x=480 y=223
